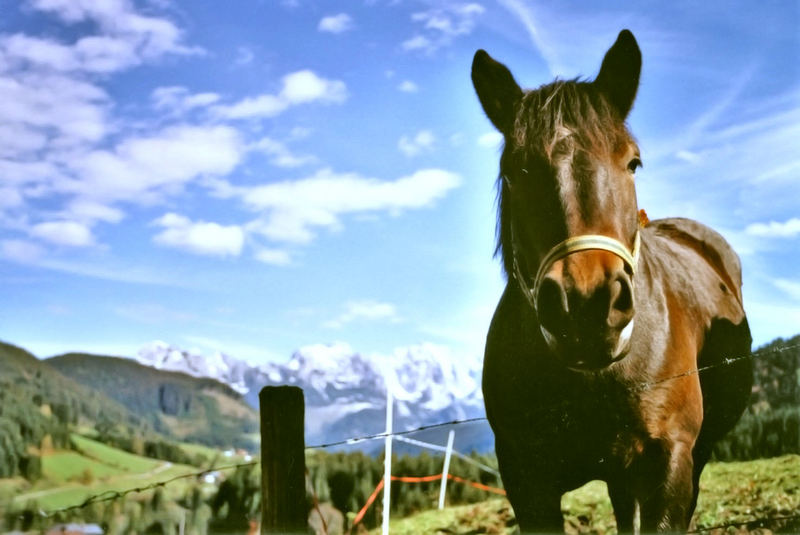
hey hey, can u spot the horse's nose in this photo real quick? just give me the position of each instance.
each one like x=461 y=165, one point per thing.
x=553 y=307
x=598 y=313
x=620 y=309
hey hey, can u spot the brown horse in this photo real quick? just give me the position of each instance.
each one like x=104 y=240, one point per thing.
x=603 y=314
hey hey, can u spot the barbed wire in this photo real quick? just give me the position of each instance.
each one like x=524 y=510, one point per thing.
x=110 y=495
x=377 y=436
x=724 y=362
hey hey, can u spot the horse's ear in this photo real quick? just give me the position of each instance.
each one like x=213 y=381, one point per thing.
x=619 y=74
x=497 y=90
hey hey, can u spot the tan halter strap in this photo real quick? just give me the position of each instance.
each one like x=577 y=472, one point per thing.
x=585 y=242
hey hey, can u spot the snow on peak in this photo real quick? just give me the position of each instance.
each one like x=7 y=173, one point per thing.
x=218 y=365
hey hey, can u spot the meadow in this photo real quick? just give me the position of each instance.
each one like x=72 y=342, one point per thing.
x=69 y=476
x=742 y=496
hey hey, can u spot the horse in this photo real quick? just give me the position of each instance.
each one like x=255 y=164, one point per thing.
x=606 y=357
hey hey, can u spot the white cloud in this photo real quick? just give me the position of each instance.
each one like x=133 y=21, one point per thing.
x=364 y=311
x=280 y=155
x=199 y=237
x=491 y=140
x=299 y=87
x=291 y=210
x=177 y=99
x=688 y=156
x=791 y=287
x=10 y=198
x=126 y=39
x=336 y=23
x=442 y=24
x=418 y=42
x=407 y=86
x=68 y=233
x=775 y=229
x=149 y=36
x=423 y=141
x=260 y=106
x=20 y=140
x=26 y=173
x=51 y=107
x=300 y=132
x=275 y=257
x=244 y=56
x=21 y=48
x=305 y=86
x=145 y=169
x=90 y=211
x=524 y=13
x=21 y=251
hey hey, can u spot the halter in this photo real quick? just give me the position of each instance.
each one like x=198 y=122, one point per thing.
x=571 y=245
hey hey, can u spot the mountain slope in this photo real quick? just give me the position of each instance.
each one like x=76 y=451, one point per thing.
x=176 y=404
x=37 y=406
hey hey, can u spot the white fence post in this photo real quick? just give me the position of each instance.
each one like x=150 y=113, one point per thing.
x=387 y=466
x=445 y=470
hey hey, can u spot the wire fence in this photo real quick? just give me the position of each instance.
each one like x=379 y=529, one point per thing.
x=110 y=495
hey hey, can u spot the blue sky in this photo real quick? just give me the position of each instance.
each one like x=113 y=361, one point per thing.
x=268 y=175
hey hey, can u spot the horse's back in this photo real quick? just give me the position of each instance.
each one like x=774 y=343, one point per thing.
x=717 y=286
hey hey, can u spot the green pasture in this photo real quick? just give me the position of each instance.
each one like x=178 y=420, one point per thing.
x=65 y=466
x=200 y=449
x=69 y=477
x=733 y=492
x=69 y=494
x=111 y=456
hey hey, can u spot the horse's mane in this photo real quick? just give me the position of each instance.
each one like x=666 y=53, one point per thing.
x=562 y=108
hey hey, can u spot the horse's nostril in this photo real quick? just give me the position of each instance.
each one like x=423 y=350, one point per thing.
x=620 y=309
x=552 y=305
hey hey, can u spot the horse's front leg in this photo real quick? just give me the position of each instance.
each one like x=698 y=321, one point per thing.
x=531 y=489
x=666 y=488
x=624 y=503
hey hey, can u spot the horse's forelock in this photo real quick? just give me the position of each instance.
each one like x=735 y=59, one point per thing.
x=566 y=106
x=546 y=115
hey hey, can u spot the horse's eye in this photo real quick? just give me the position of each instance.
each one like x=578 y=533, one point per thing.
x=634 y=164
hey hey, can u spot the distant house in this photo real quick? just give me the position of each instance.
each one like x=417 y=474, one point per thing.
x=212 y=477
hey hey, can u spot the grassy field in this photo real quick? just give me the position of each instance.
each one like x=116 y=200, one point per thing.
x=110 y=456
x=741 y=493
x=69 y=477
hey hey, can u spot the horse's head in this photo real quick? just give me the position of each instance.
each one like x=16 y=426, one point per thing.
x=568 y=222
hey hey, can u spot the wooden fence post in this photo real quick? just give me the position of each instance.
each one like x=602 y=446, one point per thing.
x=283 y=464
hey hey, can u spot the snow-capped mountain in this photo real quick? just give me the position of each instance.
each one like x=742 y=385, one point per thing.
x=345 y=392
x=219 y=366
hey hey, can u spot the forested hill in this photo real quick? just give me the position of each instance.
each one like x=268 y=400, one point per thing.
x=777 y=375
x=771 y=424
x=175 y=404
x=38 y=405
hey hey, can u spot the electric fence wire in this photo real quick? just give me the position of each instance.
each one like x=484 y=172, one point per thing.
x=109 y=495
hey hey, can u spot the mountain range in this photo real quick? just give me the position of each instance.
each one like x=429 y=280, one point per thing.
x=175 y=404
x=346 y=392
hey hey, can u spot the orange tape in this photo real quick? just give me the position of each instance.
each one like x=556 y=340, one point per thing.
x=477 y=485
x=371 y=499
x=423 y=479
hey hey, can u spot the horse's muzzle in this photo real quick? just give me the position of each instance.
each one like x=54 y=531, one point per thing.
x=587 y=328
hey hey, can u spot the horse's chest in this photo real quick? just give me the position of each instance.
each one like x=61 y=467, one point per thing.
x=563 y=413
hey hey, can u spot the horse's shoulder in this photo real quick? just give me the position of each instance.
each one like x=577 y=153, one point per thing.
x=706 y=243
